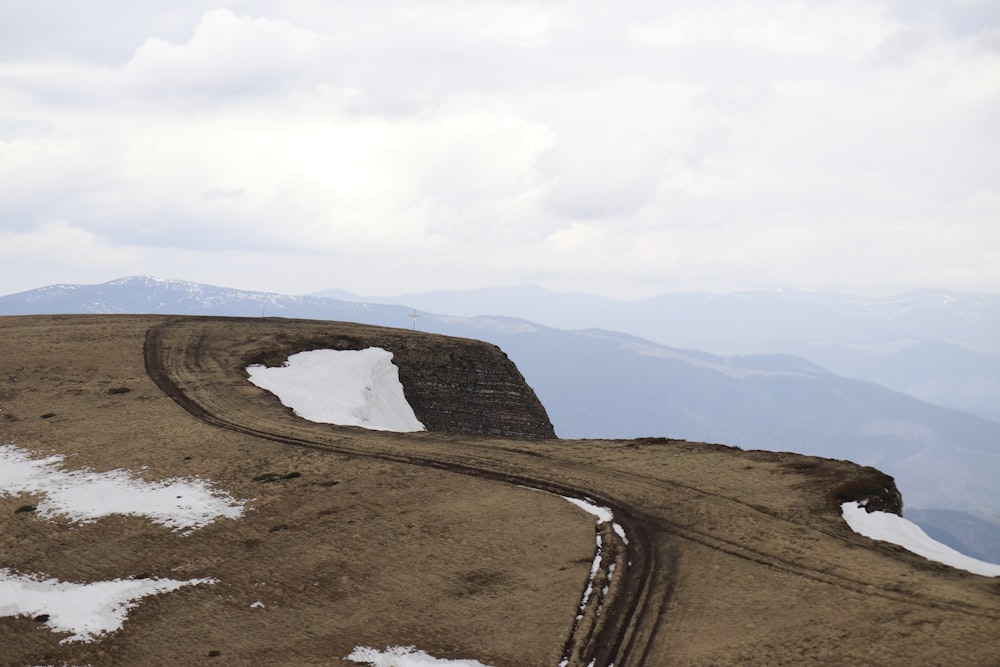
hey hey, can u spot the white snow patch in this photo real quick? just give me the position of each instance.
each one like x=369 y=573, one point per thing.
x=889 y=527
x=603 y=514
x=86 y=610
x=84 y=496
x=345 y=387
x=404 y=656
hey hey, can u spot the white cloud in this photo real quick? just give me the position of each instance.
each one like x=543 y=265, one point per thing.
x=226 y=55
x=626 y=148
x=43 y=255
x=522 y=25
x=842 y=29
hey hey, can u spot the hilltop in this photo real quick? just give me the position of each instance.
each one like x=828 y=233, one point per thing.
x=441 y=539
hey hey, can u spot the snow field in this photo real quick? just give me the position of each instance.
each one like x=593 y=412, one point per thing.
x=345 y=387
x=81 y=496
x=85 y=610
x=404 y=656
x=895 y=529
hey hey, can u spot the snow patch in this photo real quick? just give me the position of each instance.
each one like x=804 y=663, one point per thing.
x=602 y=514
x=86 y=610
x=83 y=496
x=345 y=387
x=895 y=529
x=404 y=656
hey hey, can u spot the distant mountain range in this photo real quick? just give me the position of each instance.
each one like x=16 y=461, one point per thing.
x=942 y=347
x=143 y=294
x=734 y=323
x=605 y=384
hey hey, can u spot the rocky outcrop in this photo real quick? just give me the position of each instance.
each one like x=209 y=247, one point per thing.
x=455 y=385
x=471 y=388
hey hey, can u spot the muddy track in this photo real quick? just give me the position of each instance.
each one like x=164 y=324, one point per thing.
x=610 y=639
x=196 y=362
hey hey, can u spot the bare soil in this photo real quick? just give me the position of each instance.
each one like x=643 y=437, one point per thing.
x=433 y=539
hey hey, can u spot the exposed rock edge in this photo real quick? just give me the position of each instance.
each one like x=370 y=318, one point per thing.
x=455 y=385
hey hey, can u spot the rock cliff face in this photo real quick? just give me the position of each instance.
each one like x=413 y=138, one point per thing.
x=473 y=388
x=454 y=385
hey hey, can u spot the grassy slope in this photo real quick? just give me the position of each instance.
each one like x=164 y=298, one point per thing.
x=750 y=561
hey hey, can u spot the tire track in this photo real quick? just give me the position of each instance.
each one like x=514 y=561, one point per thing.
x=625 y=608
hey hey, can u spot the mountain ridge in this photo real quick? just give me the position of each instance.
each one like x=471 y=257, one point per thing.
x=827 y=328
x=351 y=537
x=600 y=383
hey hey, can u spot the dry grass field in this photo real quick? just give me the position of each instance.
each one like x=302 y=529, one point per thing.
x=441 y=540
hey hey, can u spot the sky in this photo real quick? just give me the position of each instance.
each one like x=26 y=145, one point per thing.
x=625 y=148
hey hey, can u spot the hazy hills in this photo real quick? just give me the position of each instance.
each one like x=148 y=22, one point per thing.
x=143 y=294
x=600 y=383
x=939 y=346
x=706 y=320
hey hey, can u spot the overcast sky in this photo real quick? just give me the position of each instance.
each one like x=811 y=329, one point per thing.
x=626 y=148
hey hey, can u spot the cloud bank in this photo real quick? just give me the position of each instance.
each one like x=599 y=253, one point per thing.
x=623 y=148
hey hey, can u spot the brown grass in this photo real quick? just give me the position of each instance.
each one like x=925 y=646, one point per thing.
x=375 y=540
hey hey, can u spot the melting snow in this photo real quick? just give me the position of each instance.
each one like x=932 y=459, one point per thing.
x=620 y=532
x=345 y=387
x=892 y=528
x=89 y=610
x=86 y=610
x=603 y=514
x=404 y=656
x=84 y=496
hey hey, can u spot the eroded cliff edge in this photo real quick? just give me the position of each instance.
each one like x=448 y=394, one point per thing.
x=455 y=385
